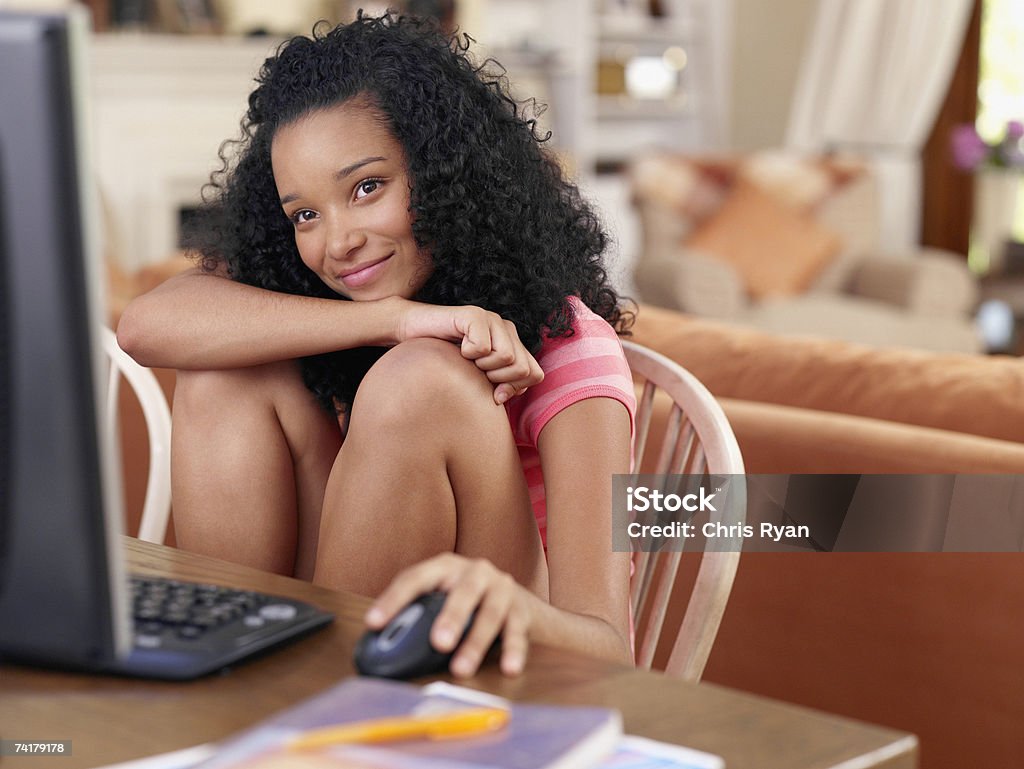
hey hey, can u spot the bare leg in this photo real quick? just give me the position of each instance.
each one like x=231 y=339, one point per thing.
x=429 y=465
x=250 y=455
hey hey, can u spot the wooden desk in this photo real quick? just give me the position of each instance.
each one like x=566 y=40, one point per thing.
x=109 y=719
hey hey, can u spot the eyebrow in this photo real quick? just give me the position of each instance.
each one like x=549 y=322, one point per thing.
x=346 y=171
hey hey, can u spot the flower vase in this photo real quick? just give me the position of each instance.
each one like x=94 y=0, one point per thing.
x=995 y=205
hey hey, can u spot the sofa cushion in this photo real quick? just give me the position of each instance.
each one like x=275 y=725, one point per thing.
x=872 y=323
x=776 y=439
x=978 y=395
x=692 y=188
x=777 y=250
x=790 y=178
x=785 y=439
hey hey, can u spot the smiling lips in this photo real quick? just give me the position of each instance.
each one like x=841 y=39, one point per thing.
x=360 y=276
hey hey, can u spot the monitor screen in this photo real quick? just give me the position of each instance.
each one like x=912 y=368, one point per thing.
x=60 y=576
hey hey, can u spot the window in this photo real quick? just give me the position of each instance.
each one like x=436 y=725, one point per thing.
x=1001 y=78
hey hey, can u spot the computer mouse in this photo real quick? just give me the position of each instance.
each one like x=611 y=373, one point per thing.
x=402 y=648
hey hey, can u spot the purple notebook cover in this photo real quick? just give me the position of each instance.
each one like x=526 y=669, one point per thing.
x=537 y=736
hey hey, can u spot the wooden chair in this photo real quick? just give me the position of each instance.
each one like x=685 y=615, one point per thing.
x=156 y=508
x=697 y=439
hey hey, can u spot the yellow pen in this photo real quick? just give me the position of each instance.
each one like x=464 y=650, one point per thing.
x=458 y=723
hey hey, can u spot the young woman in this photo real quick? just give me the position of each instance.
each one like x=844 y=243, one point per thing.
x=351 y=442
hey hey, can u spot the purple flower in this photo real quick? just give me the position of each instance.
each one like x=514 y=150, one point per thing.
x=969 y=151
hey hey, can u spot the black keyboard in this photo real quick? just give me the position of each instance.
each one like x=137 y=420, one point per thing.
x=185 y=630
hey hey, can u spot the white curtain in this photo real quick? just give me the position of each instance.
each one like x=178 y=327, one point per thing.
x=872 y=81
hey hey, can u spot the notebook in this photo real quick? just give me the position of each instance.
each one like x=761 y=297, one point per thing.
x=64 y=597
x=536 y=736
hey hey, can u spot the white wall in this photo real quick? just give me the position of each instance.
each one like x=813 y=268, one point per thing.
x=768 y=43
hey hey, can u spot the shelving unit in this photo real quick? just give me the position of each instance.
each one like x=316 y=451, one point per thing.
x=603 y=130
x=627 y=122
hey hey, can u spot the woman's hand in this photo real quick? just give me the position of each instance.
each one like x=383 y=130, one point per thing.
x=486 y=338
x=503 y=607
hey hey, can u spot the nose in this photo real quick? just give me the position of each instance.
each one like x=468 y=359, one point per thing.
x=343 y=237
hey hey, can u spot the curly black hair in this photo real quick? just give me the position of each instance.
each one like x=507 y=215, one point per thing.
x=505 y=229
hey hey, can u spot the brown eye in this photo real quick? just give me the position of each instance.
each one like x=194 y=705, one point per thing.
x=366 y=187
x=302 y=216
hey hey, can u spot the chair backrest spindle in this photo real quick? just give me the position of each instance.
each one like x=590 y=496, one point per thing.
x=696 y=442
x=156 y=508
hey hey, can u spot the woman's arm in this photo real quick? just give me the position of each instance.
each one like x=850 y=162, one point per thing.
x=581 y=448
x=200 y=320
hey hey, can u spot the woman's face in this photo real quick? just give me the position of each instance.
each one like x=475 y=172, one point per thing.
x=342 y=180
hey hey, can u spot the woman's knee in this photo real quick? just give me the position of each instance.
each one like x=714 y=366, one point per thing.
x=421 y=377
x=217 y=389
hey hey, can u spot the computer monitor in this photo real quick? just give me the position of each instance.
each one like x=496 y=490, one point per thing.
x=63 y=591
x=61 y=582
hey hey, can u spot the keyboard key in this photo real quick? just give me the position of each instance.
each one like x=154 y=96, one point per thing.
x=183 y=630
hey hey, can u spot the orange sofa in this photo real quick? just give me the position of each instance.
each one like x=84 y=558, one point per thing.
x=924 y=642
x=810 y=405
